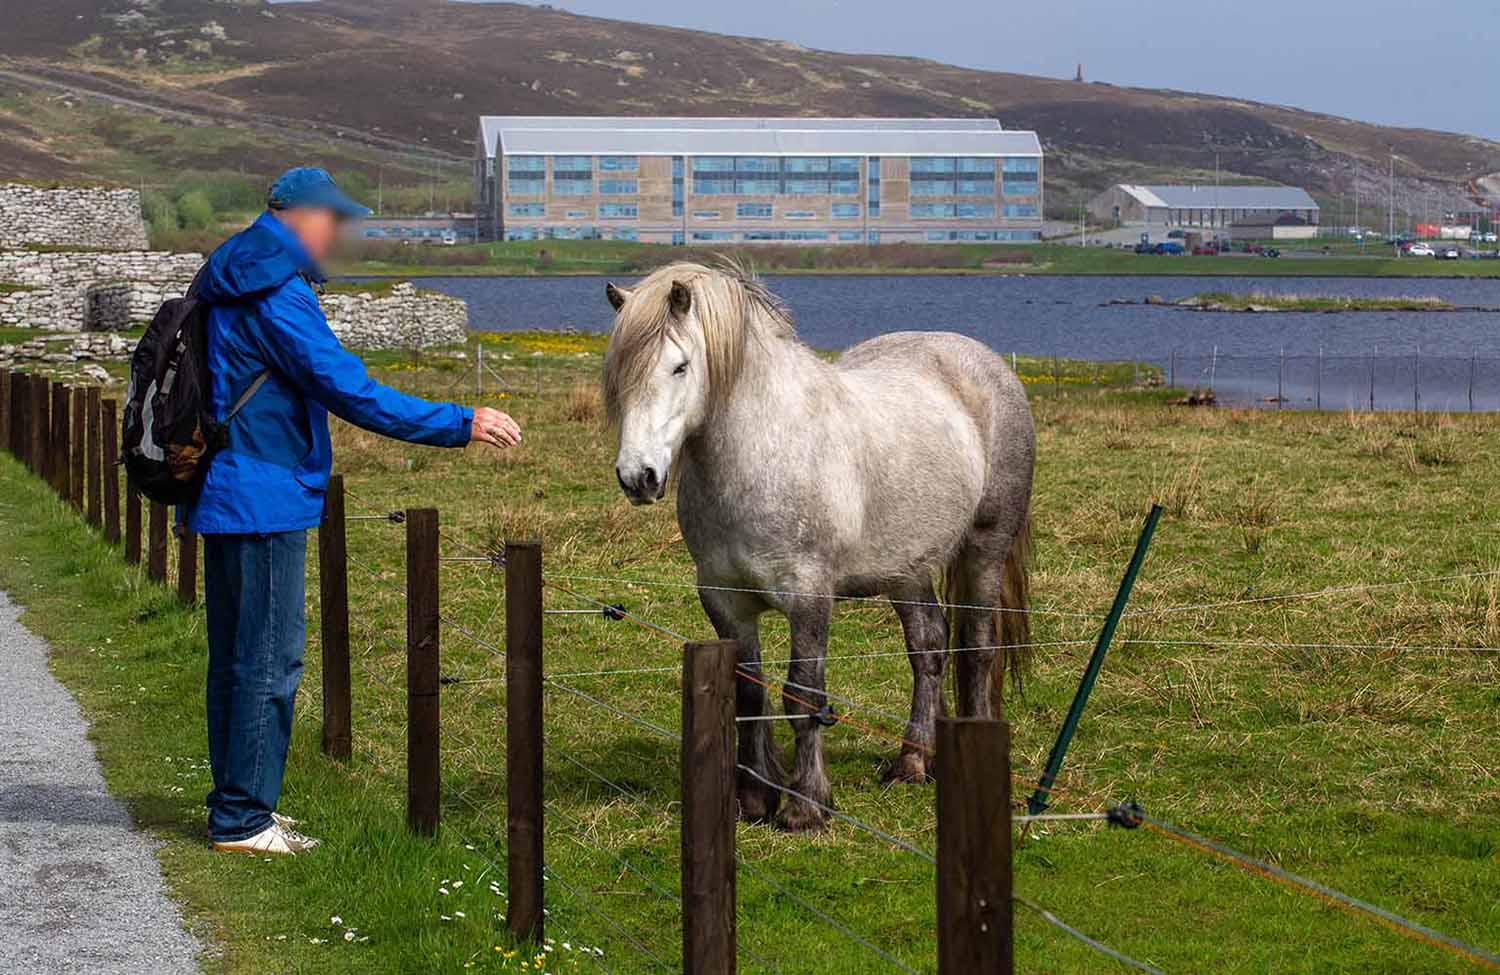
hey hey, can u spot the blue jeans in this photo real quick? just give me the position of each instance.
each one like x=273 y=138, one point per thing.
x=253 y=590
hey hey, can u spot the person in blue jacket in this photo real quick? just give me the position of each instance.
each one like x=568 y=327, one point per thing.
x=270 y=351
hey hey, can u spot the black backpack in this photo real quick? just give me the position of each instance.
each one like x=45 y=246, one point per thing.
x=168 y=432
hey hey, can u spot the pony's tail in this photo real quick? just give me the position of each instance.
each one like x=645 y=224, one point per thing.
x=1013 y=622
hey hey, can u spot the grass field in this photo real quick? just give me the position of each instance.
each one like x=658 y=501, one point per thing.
x=1322 y=733
x=618 y=257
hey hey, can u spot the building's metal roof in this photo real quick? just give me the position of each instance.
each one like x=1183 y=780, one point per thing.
x=646 y=136
x=1210 y=197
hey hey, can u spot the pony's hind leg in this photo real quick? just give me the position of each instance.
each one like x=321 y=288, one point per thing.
x=735 y=618
x=979 y=575
x=810 y=794
x=926 y=631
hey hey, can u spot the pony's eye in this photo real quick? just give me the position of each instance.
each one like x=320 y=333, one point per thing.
x=680 y=370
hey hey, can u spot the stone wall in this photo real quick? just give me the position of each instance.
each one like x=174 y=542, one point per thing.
x=403 y=319
x=84 y=217
x=60 y=283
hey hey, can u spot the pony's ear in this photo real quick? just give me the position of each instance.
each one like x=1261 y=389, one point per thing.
x=681 y=299
x=616 y=295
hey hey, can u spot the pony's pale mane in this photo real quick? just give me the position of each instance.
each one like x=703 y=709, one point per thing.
x=731 y=303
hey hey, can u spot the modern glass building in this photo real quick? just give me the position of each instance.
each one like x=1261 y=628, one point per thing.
x=799 y=180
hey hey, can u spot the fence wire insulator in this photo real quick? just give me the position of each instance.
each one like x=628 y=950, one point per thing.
x=1127 y=815
x=448 y=680
x=825 y=716
x=615 y=612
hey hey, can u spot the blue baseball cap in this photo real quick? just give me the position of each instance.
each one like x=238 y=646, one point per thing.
x=309 y=186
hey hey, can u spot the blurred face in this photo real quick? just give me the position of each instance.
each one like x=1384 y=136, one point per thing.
x=318 y=229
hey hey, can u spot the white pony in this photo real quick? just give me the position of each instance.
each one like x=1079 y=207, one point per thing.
x=800 y=481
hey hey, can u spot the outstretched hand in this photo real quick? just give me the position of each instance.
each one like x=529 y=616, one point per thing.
x=494 y=428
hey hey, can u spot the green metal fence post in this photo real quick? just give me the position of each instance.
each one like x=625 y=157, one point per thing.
x=1037 y=804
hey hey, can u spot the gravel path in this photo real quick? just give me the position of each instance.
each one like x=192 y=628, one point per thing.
x=80 y=889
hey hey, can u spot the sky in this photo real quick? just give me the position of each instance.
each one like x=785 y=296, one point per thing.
x=1427 y=63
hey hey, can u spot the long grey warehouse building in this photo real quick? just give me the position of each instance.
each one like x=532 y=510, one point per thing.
x=720 y=180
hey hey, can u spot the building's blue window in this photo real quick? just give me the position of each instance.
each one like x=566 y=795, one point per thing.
x=801 y=214
x=707 y=214
x=849 y=236
x=874 y=236
x=845 y=187
x=976 y=165
x=846 y=211
x=932 y=211
x=618 y=164
x=621 y=233
x=619 y=187
x=976 y=187
x=563 y=164
x=757 y=187
x=1020 y=210
x=940 y=166
x=526 y=182
x=941 y=236
x=932 y=188
x=1022 y=174
x=712 y=235
x=873 y=198
x=520 y=233
x=757 y=164
x=805 y=164
x=619 y=211
x=712 y=164
x=573 y=175
x=976 y=211
x=573 y=187
x=755 y=211
x=678 y=190
x=580 y=214
x=573 y=233
x=806 y=187
x=678 y=238
x=713 y=187
x=844 y=164
x=527 y=209
x=526 y=164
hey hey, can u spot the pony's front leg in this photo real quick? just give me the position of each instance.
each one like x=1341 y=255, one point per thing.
x=926 y=631
x=759 y=778
x=802 y=697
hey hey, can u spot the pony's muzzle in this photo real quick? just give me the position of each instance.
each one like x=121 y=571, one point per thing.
x=642 y=486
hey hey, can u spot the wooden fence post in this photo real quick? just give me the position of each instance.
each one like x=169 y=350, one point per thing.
x=41 y=435
x=94 y=454
x=973 y=847
x=7 y=409
x=62 y=427
x=333 y=604
x=187 y=567
x=523 y=738
x=156 y=544
x=423 y=678
x=132 y=525
x=109 y=458
x=20 y=424
x=708 y=807
x=78 y=443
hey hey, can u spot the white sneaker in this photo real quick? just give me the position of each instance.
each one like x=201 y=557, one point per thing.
x=285 y=822
x=274 y=840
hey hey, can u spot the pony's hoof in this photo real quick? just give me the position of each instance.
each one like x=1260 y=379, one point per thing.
x=758 y=805
x=801 y=817
x=907 y=769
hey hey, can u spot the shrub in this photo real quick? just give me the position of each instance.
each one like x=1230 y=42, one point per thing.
x=160 y=212
x=195 y=210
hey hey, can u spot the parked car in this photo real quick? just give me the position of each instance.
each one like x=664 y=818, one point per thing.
x=1176 y=234
x=1170 y=247
x=1421 y=249
x=1492 y=238
x=1271 y=252
x=1145 y=247
x=1448 y=254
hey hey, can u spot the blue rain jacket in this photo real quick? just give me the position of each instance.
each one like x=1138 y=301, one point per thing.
x=266 y=318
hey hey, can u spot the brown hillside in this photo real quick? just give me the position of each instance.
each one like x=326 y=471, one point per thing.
x=413 y=74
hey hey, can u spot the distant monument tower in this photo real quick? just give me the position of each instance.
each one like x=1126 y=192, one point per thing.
x=1079 y=75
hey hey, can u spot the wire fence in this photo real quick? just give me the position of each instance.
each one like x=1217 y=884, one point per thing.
x=477 y=780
